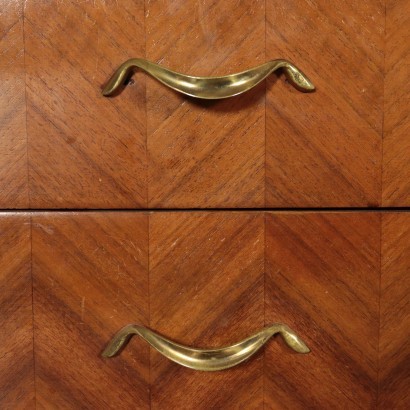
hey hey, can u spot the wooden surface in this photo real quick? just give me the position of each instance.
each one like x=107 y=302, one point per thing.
x=149 y=147
x=340 y=280
x=205 y=279
x=205 y=153
x=16 y=313
x=85 y=150
x=394 y=374
x=396 y=141
x=322 y=279
x=90 y=279
x=206 y=290
x=324 y=149
x=13 y=138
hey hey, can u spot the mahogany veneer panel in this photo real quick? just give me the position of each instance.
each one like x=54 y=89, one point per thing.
x=16 y=314
x=206 y=290
x=85 y=150
x=324 y=149
x=394 y=373
x=90 y=279
x=13 y=138
x=396 y=138
x=322 y=279
x=205 y=153
x=209 y=275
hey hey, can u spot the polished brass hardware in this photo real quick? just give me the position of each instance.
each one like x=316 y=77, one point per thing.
x=209 y=87
x=206 y=359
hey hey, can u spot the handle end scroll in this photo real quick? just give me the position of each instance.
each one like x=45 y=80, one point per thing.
x=297 y=78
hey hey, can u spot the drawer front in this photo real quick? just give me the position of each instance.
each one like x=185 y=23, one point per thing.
x=205 y=280
x=64 y=145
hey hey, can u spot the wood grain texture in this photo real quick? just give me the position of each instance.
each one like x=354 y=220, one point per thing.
x=324 y=149
x=394 y=364
x=13 y=138
x=322 y=279
x=205 y=153
x=90 y=279
x=16 y=314
x=85 y=150
x=396 y=137
x=206 y=290
x=213 y=279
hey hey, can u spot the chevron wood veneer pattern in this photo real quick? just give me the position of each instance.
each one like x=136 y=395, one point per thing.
x=396 y=141
x=205 y=153
x=154 y=148
x=324 y=149
x=85 y=150
x=394 y=364
x=90 y=278
x=205 y=279
x=206 y=290
x=16 y=314
x=322 y=278
x=13 y=138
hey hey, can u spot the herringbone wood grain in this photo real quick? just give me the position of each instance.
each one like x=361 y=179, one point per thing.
x=85 y=150
x=322 y=279
x=325 y=149
x=201 y=278
x=206 y=290
x=205 y=153
x=164 y=150
x=16 y=313
x=13 y=138
x=90 y=279
x=394 y=346
x=396 y=139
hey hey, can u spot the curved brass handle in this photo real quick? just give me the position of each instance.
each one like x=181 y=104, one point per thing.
x=209 y=87
x=206 y=359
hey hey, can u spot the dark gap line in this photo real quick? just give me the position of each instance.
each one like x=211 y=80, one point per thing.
x=324 y=209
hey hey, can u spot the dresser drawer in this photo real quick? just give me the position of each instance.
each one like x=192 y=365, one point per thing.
x=64 y=145
x=205 y=280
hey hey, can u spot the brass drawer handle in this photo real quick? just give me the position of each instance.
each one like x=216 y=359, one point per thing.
x=208 y=87
x=206 y=359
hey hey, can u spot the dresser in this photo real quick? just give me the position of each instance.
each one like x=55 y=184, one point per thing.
x=163 y=251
